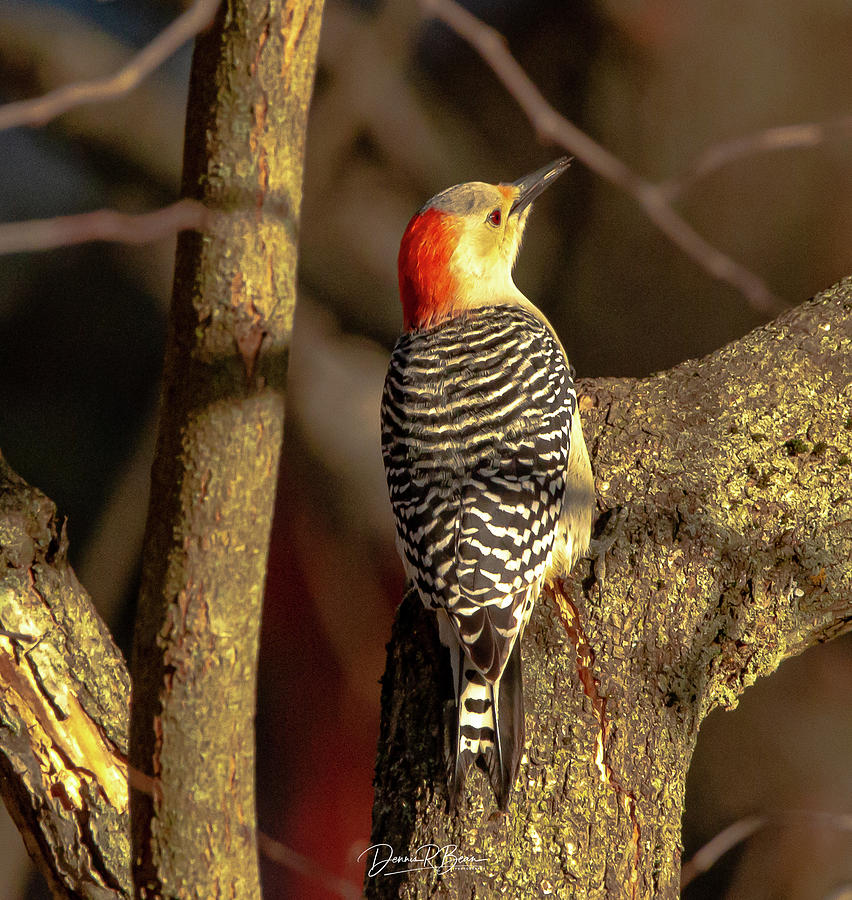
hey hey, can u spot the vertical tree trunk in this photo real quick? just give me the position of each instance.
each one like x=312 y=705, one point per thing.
x=214 y=476
x=725 y=490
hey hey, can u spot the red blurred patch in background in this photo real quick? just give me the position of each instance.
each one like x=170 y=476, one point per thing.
x=318 y=713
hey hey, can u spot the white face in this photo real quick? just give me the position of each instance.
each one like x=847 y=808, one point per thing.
x=488 y=239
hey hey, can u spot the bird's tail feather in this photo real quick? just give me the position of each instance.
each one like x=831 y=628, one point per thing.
x=489 y=725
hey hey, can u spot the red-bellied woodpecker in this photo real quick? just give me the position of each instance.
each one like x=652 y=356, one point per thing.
x=487 y=469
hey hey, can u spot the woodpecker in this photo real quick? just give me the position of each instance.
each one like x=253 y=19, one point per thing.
x=487 y=469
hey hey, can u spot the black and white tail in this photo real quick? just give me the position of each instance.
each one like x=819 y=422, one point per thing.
x=489 y=725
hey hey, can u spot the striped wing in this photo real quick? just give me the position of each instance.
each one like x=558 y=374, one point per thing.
x=476 y=419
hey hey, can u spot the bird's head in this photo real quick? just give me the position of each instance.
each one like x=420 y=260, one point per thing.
x=458 y=251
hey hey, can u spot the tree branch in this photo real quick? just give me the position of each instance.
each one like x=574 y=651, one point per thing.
x=211 y=505
x=707 y=856
x=104 y=225
x=729 y=552
x=40 y=110
x=550 y=125
x=784 y=137
x=216 y=464
x=64 y=698
x=286 y=856
x=192 y=747
x=63 y=707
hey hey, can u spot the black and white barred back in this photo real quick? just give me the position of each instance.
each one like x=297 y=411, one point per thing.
x=476 y=423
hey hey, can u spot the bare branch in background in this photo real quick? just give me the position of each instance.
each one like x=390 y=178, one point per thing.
x=549 y=124
x=707 y=857
x=785 y=137
x=741 y=830
x=103 y=225
x=291 y=859
x=39 y=110
x=655 y=199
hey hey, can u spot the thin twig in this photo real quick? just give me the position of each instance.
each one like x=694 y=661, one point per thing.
x=103 y=225
x=718 y=846
x=549 y=124
x=744 y=828
x=288 y=857
x=784 y=137
x=39 y=110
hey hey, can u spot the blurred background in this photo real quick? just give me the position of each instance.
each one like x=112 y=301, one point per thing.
x=403 y=109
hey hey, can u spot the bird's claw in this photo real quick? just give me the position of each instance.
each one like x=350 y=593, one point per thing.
x=600 y=546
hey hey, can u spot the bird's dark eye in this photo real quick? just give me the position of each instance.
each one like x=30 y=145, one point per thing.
x=494 y=217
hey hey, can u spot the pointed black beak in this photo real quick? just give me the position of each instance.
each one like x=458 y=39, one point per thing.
x=530 y=186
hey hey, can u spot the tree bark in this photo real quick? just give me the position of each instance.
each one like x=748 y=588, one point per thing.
x=64 y=691
x=65 y=688
x=216 y=465
x=724 y=543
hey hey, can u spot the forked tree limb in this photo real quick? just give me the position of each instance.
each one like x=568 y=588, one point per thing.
x=725 y=534
x=63 y=739
x=730 y=551
x=64 y=702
